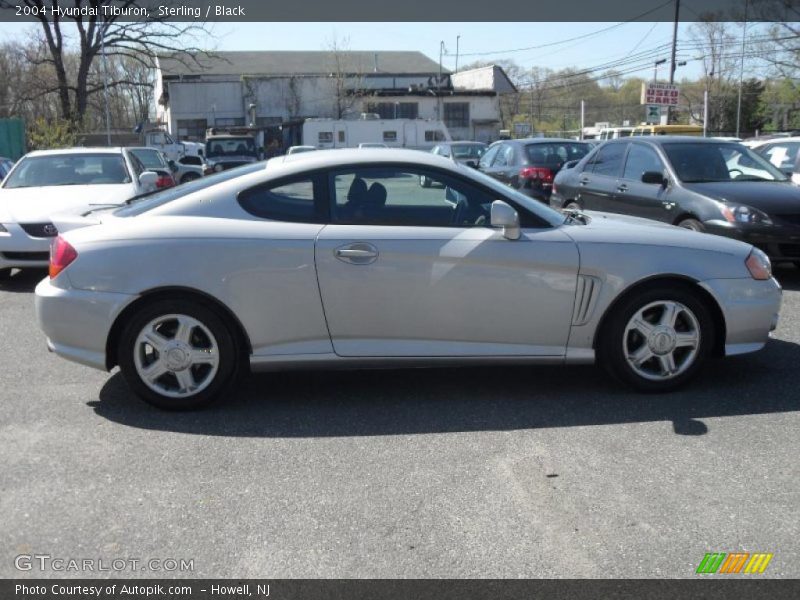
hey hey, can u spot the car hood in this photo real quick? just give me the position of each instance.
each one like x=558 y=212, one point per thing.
x=621 y=229
x=39 y=204
x=768 y=196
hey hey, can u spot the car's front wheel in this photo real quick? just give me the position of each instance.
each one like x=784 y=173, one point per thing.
x=177 y=355
x=189 y=177
x=692 y=224
x=655 y=341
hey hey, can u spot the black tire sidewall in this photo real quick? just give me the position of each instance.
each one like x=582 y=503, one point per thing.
x=228 y=356
x=692 y=224
x=611 y=355
x=189 y=177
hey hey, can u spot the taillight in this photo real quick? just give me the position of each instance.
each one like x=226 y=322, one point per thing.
x=543 y=173
x=61 y=255
x=165 y=181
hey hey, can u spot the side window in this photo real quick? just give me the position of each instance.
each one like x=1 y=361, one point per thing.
x=505 y=156
x=325 y=137
x=341 y=136
x=488 y=157
x=286 y=201
x=136 y=165
x=407 y=196
x=608 y=161
x=389 y=136
x=641 y=159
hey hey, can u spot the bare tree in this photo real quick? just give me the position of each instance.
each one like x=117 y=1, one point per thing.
x=136 y=41
x=347 y=75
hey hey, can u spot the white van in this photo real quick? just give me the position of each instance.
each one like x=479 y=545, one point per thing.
x=421 y=134
x=612 y=133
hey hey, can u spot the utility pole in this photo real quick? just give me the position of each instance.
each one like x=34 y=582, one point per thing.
x=439 y=84
x=583 y=115
x=741 y=74
x=674 y=47
x=458 y=37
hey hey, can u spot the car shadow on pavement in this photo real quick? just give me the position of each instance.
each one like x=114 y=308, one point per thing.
x=417 y=401
x=23 y=282
x=788 y=276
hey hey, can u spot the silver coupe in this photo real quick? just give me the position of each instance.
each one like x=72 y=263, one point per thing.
x=340 y=259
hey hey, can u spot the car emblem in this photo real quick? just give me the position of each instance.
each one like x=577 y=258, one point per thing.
x=50 y=229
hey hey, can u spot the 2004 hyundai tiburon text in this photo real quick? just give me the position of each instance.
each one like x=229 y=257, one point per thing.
x=340 y=258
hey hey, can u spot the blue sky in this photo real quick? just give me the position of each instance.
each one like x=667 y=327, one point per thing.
x=604 y=42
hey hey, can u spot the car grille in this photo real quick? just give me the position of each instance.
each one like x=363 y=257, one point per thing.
x=41 y=230
x=793 y=219
x=26 y=255
x=791 y=250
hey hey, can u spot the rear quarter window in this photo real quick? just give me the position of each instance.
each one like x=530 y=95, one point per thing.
x=289 y=200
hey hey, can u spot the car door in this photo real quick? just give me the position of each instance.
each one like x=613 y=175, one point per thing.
x=639 y=199
x=485 y=163
x=408 y=271
x=504 y=166
x=599 y=180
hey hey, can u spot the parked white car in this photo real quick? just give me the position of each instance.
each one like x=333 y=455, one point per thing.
x=43 y=184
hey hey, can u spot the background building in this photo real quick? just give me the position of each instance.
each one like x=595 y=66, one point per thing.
x=271 y=89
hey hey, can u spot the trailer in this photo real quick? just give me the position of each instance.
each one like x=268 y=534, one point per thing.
x=420 y=134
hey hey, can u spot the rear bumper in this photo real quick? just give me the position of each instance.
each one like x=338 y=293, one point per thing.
x=750 y=309
x=782 y=244
x=77 y=322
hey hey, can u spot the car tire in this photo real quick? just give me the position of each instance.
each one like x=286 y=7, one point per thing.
x=657 y=340
x=189 y=177
x=177 y=354
x=424 y=181
x=692 y=224
x=572 y=205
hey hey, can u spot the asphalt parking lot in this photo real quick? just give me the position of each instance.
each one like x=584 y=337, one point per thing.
x=480 y=472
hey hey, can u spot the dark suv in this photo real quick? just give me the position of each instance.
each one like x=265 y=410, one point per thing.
x=702 y=184
x=530 y=165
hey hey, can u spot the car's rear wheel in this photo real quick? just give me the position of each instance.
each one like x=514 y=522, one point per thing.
x=177 y=355
x=189 y=177
x=692 y=224
x=655 y=341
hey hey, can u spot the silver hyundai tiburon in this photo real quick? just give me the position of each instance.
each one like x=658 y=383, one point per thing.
x=341 y=259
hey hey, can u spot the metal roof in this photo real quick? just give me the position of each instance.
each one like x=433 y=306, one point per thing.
x=284 y=62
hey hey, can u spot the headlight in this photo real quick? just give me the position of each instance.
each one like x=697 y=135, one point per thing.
x=740 y=213
x=758 y=264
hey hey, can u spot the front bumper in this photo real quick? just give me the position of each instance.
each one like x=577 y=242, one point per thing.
x=77 y=322
x=780 y=242
x=750 y=309
x=20 y=250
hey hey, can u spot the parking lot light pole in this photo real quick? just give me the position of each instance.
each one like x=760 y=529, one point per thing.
x=105 y=80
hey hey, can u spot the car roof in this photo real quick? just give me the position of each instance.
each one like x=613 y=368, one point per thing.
x=662 y=139
x=81 y=150
x=353 y=156
x=527 y=141
x=463 y=143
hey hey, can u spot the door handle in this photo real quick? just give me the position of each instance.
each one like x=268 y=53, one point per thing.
x=622 y=188
x=584 y=181
x=359 y=253
x=668 y=205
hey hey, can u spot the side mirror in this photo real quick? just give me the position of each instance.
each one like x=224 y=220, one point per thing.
x=148 y=179
x=654 y=177
x=172 y=166
x=504 y=216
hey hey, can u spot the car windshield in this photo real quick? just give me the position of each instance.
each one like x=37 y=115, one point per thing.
x=149 y=158
x=468 y=150
x=699 y=162
x=555 y=154
x=152 y=200
x=69 y=169
x=238 y=146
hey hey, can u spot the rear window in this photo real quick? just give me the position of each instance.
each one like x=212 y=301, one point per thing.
x=555 y=154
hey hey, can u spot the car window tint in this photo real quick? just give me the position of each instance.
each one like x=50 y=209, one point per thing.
x=641 y=159
x=488 y=157
x=608 y=161
x=290 y=201
x=696 y=162
x=782 y=156
x=504 y=157
x=554 y=154
x=397 y=196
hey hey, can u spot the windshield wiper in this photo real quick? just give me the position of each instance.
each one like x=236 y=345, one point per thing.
x=130 y=201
